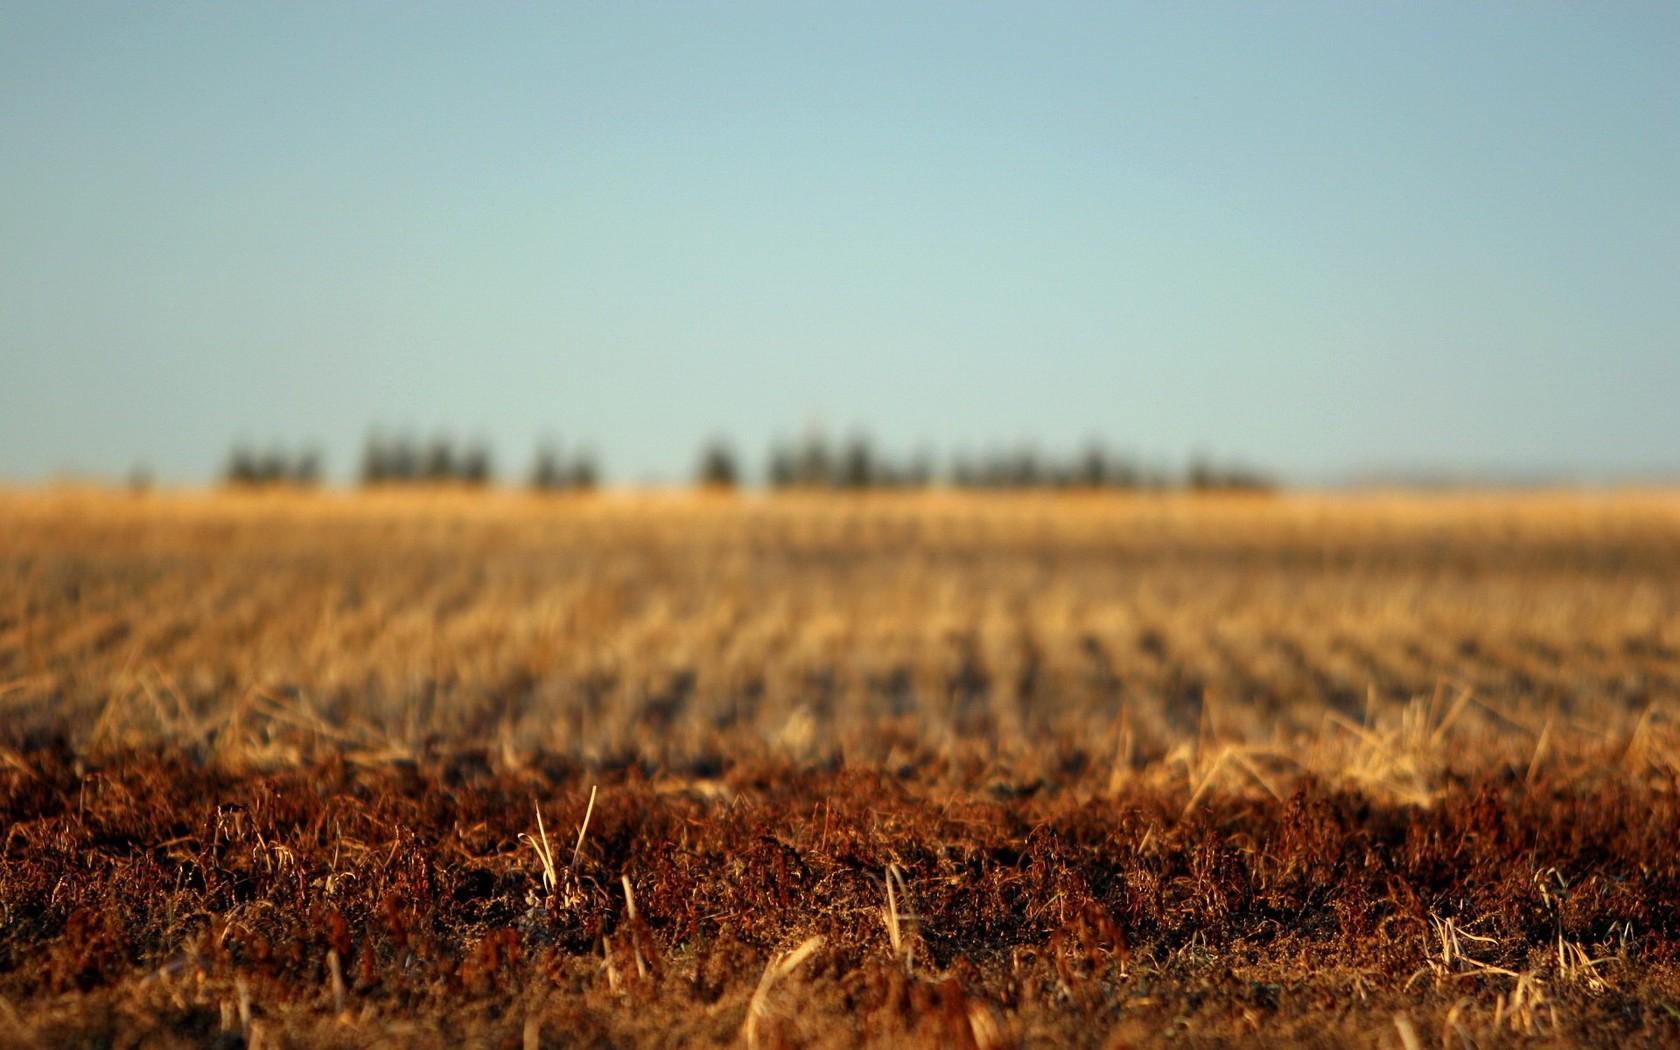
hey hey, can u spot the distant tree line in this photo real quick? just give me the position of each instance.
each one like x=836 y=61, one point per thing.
x=248 y=468
x=811 y=464
x=856 y=465
x=404 y=461
x=554 y=472
x=1206 y=476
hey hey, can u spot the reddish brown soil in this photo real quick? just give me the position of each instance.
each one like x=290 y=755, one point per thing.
x=145 y=897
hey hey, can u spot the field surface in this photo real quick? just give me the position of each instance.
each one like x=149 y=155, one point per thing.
x=430 y=769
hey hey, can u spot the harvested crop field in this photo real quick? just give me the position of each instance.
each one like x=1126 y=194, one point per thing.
x=985 y=770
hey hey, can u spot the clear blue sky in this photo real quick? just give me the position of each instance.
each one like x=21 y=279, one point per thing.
x=1324 y=238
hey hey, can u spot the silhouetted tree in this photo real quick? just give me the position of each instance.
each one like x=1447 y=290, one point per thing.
x=1024 y=470
x=858 y=467
x=816 y=464
x=918 y=473
x=306 y=469
x=547 y=471
x=1093 y=469
x=271 y=467
x=402 y=460
x=1201 y=476
x=551 y=471
x=585 y=472
x=783 y=469
x=376 y=461
x=476 y=468
x=1125 y=474
x=439 y=464
x=246 y=468
x=241 y=467
x=1205 y=476
x=717 y=468
x=965 y=474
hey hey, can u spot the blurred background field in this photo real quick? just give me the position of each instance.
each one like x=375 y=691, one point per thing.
x=1122 y=633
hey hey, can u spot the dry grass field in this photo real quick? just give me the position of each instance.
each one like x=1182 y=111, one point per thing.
x=442 y=769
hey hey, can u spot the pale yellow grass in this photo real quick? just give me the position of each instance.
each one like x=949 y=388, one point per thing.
x=1212 y=643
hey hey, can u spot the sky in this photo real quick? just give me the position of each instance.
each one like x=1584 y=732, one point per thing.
x=1327 y=239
